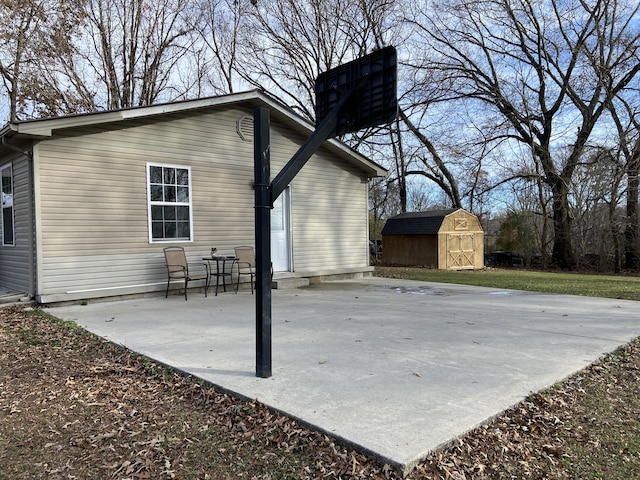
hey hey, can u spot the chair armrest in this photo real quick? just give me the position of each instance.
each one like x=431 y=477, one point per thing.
x=189 y=270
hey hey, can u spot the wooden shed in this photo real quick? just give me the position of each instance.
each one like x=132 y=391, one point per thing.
x=443 y=239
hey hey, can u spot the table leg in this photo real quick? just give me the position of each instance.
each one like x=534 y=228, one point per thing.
x=207 y=282
x=235 y=262
x=224 y=276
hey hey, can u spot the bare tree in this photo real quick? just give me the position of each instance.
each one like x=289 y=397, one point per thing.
x=445 y=149
x=293 y=41
x=433 y=164
x=222 y=28
x=595 y=199
x=387 y=143
x=31 y=31
x=631 y=151
x=383 y=203
x=21 y=22
x=533 y=62
x=625 y=112
x=135 y=47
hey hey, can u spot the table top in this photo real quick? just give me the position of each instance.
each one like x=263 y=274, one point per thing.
x=221 y=257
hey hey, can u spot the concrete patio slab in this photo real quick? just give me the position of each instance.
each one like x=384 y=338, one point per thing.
x=395 y=368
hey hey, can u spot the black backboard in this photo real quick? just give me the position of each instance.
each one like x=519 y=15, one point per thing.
x=374 y=101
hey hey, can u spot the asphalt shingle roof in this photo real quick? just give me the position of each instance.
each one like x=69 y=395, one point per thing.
x=416 y=223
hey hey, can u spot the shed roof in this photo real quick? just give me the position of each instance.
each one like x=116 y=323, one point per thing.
x=416 y=223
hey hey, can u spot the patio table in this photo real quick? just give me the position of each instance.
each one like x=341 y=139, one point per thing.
x=221 y=270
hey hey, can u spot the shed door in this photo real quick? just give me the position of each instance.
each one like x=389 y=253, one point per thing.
x=460 y=251
x=280 y=238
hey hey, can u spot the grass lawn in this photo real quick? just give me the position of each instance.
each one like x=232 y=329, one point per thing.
x=607 y=286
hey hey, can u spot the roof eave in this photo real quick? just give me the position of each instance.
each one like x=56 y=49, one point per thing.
x=43 y=128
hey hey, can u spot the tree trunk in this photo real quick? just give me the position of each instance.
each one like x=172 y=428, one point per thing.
x=615 y=232
x=632 y=230
x=402 y=190
x=563 y=255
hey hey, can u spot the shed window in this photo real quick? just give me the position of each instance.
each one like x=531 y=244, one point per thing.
x=7 y=206
x=460 y=224
x=169 y=194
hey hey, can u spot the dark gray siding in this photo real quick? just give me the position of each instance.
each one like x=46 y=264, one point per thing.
x=16 y=265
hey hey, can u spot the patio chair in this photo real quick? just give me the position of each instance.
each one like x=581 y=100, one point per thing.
x=247 y=265
x=178 y=269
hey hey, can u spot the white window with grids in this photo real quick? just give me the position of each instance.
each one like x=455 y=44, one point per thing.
x=169 y=199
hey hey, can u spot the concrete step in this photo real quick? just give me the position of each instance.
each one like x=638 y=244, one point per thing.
x=291 y=282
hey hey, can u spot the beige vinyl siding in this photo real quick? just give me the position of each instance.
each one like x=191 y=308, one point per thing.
x=114 y=274
x=93 y=202
x=329 y=219
x=16 y=265
x=106 y=209
x=328 y=211
x=93 y=213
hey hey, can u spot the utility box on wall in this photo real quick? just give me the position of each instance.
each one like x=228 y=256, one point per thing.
x=443 y=239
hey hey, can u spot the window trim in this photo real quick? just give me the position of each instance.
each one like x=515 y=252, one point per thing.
x=150 y=204
x=13 y=209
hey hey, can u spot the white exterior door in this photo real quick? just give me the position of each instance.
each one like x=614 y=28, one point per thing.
x=280 y=242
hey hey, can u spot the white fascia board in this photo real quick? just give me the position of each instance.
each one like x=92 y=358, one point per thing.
x=46 y=127
x=187 y=105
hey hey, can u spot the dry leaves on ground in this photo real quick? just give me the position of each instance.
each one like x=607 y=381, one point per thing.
x=75 y=406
